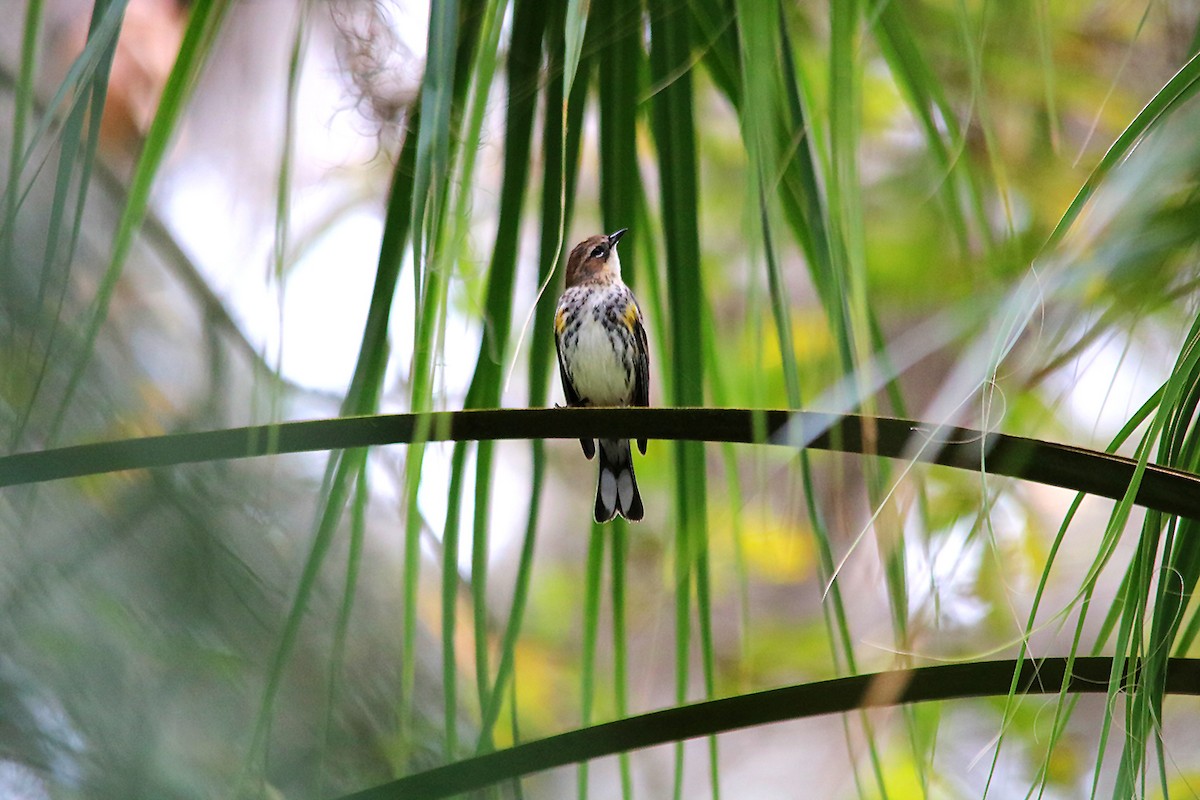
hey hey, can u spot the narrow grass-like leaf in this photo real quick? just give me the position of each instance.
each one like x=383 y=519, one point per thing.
x=939 y=124
x=507 y=665
x=619 y=61
x=651 y=293
x=71 y=186
x=736 y=532
x=593 y=578
x=674 y=134
x=760 y=92
x=1177 y=579
x=716 y=25
x=76 y=144
x=846 y=214
x=1182 y=86
x=803 y=201
x=102 y=33
x=74 y=141
x=334 y=491
x=455 y=41
x=558 y=190
x=337 y=652
x=283 y=181
x=845 y=200
x=1150 y=409
x=435 y=302
x=23 y=97
x=432 y=258
x=450 y=589
x=1086 y=675
x=361 y=397
x=574 y=33
x=1161 y=609
x=620 y=549
x=201 y=29
x=433 y=138
x=848 y=256
x=529 y=22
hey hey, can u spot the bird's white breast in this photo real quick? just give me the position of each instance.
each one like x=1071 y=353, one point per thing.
x=597 y=363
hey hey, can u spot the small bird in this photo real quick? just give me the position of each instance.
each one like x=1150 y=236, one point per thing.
x=604 y=361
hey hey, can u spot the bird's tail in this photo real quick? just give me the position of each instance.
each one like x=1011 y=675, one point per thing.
x=617 y=489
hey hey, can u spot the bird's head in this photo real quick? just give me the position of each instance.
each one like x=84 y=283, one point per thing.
x=595 y=260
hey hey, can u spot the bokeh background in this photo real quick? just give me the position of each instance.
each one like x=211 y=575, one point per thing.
x=219 y=214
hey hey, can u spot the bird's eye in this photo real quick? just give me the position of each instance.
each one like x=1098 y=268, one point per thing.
x=598 y=251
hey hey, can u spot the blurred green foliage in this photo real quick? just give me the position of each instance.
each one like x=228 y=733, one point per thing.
x=964 y=212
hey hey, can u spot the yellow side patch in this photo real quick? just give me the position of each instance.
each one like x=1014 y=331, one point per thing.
x=560 y=321
x=631 y=315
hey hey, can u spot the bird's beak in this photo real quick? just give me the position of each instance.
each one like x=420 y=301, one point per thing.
x=613 y=238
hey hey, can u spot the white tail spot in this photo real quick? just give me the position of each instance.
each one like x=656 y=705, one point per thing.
x=625 y=487
x=608 y=489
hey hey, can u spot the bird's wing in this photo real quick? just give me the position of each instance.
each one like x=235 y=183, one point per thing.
x=560 y=319
x=588 y=445
x=641 y=382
